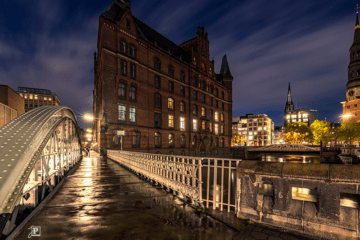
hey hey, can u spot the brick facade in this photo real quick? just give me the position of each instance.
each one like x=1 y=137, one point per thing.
x=179 y=65
x=12 y=105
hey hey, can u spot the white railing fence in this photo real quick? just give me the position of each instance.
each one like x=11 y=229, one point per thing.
x=190 y=177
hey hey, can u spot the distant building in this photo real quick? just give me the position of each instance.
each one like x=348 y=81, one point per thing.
x=278 y=133
x=11 y=105
x=351 y=107
x=35 y=97
x=255 y=129
x=291 y=115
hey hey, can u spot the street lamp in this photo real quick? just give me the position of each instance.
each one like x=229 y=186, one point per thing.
x=89 y=130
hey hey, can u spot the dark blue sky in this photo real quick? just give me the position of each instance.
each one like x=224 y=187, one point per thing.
x=50 y=44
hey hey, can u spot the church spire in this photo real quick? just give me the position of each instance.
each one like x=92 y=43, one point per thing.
x=289 y=104
x=357 y=28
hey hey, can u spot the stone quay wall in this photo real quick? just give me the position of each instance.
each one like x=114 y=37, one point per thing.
x=317 y=199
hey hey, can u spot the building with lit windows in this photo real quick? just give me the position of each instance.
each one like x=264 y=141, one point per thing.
x=256 y=129
x=351 y=107
x=35 y=97
x=166 y=97
x=291 y=115
x=278 y=135
x=11 y=105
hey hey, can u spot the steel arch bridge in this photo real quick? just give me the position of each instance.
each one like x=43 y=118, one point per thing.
x=37 y=149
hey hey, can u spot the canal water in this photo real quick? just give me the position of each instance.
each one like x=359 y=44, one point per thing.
x=289 y=158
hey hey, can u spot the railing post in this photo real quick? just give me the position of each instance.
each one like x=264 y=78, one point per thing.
x=215 y=184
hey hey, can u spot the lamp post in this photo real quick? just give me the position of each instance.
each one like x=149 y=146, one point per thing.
x=104 y=127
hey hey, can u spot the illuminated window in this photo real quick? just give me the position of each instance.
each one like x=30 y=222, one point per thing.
x=170 y=103
x=305 y=115
x=171 y=140
x=31 y=96
x=122 y=113
x=203 y=111
x=250 y=133
x=203 y=125
x=182 y=124
x=288 y=116
x=194 y=125
x=210 y=127
x=171 y=120
x=260 y=128
x=222 y=117
x=26 y=96
x=251 y=138
x=216 y=116
x=36 y=97
x=293 y=116
x=265 y=128
x=132 y=114
x=222 y=129
x=216 y=128
x=294 y=120
x=182 y=107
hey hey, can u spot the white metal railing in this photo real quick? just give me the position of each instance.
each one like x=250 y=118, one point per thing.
x=193 y=177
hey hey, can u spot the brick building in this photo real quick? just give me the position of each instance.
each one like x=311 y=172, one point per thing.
x=351 y=107
x=11 y=105
x=35 y=97
x=165 y=96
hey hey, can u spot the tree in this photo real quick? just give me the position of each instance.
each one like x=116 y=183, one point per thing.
x=348 y=132
x=320 y=131
x=297 y=132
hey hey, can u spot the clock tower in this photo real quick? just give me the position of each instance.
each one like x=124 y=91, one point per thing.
x=351 y=106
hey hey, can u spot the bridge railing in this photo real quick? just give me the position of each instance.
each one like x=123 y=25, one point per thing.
x=210 y=181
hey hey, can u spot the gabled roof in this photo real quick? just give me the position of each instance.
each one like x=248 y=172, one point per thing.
x=115 y=11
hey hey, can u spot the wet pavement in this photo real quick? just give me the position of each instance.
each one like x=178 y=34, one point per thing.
x=102 y=200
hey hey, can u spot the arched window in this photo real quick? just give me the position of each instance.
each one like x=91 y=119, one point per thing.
x=203 y=112
x=182 y=76
x=222 y=95
x=157 y=139
x=132 y=51
x=194 y=110
x=182 y=140
x=132 y=93
x=216 y=92
x=157 y=100
x=121 y=90
x=352 y=73
x=135 y=139
x=127 y=24
x=156 y=63
x=171 y=140
x=194 y=141
x=123 y=46
x=170 y=103
x=182 y=107
x=171 y=70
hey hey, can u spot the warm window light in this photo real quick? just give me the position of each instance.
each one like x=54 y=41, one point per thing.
x=89 y=130
x=346 y=115
x=88 y=135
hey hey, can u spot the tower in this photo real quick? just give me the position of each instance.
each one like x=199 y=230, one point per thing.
x=350 y=106
x=289 y=104
x=225 y=72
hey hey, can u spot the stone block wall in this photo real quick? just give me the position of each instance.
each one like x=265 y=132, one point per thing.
x=319 y=199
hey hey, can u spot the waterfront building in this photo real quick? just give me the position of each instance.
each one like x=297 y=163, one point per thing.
x=166 y=98
x=278 y=134
x=36 y=97
x=291 y=115
x=255 y=129
x=351 y=107
x=11 y=105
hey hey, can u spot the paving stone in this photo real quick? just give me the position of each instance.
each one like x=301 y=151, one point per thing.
x=257 y=229
x=249 y=238
x=274 y=238
x=271 y=232
x=287 y=237
x=258 y=235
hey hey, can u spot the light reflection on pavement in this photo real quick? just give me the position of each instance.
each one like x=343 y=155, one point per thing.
x=102 y=200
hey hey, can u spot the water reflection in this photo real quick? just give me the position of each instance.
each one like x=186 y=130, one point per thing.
x=287 y=158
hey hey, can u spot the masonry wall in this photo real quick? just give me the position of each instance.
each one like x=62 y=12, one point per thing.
x=332 y=212
x=108 y=76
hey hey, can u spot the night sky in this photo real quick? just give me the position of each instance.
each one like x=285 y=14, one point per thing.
x=50 y=44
